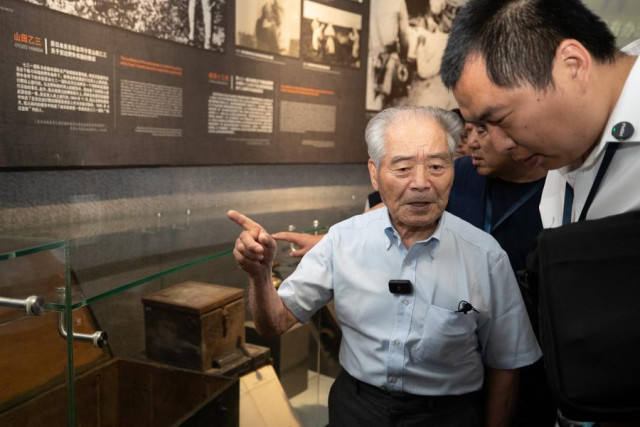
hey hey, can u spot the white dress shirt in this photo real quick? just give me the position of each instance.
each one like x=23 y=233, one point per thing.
x=620 y=188
x=416 y=343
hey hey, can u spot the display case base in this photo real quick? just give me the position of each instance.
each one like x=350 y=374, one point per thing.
x=130 y=392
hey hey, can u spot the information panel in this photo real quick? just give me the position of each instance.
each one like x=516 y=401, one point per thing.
x=140 y=82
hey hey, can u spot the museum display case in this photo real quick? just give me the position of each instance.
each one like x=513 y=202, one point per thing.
x=72 y=319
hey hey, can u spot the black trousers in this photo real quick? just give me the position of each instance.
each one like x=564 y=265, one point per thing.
x=354 y=403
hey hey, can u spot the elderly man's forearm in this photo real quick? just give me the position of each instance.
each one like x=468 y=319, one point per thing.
x=502 y=391
x=270 y=315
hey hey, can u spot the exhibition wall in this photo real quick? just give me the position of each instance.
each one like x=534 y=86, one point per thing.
x=137 y=82
x=56 y=171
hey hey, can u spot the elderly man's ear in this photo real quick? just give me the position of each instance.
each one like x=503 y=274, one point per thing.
x=373 y=174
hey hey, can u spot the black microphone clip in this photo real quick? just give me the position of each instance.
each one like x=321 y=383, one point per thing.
x=465 y=307
x=400 y=287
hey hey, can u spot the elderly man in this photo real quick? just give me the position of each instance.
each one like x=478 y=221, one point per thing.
x=425 y=301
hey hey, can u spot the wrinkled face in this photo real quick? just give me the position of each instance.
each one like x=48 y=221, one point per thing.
x=485 y=157
x=544 y=122
x=416 y=173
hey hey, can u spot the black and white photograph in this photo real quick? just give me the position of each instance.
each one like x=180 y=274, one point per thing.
x=200 y=23
x=269 y=25
x=207 y=24
x=330 y=36
x=105 y=12
x=406 y=42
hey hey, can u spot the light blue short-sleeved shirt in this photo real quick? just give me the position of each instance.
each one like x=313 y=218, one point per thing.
x=416 y=343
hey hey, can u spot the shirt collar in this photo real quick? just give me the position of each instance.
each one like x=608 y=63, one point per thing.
x=624 y=111
x=393 y=238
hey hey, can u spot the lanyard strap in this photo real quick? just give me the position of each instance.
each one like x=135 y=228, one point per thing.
x=606 y=161
x=568 y=192
x=568 y=203
x=488 y=212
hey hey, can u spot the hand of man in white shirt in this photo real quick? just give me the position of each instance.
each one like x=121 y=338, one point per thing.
x=254 y=252
x=255 y=249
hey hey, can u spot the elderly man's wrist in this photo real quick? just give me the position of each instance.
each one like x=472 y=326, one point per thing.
x=263 y=278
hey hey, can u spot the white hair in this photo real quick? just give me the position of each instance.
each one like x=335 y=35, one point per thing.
x=376 y=131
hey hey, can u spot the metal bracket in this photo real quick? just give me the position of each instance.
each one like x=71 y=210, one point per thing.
x=292 y=247
x=33 y=305
x=98 y=338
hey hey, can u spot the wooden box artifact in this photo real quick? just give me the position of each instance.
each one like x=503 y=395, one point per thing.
x=107 y=391
x=194 y=325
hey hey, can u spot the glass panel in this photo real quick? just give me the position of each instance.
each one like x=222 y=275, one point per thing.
x=34 y=358
x=112 y=256
x=311 y=404
x=14 y=247
x=106 y=268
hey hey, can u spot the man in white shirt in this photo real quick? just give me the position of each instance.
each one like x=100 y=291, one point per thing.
x=548 y=75
x=428 y=304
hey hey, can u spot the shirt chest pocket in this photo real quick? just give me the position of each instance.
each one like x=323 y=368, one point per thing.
x=448 y=338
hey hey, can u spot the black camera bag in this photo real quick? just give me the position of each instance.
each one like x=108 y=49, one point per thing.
x=585 y=279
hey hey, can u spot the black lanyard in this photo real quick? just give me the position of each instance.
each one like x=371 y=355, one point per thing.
x=488 y=211
x=568 y=192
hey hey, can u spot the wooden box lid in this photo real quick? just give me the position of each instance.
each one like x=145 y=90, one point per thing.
x=193 y=297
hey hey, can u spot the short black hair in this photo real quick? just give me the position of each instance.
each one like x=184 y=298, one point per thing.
x=518 y=39
x=459 y=113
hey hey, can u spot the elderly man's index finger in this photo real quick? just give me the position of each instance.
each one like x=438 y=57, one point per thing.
x=243 y=221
